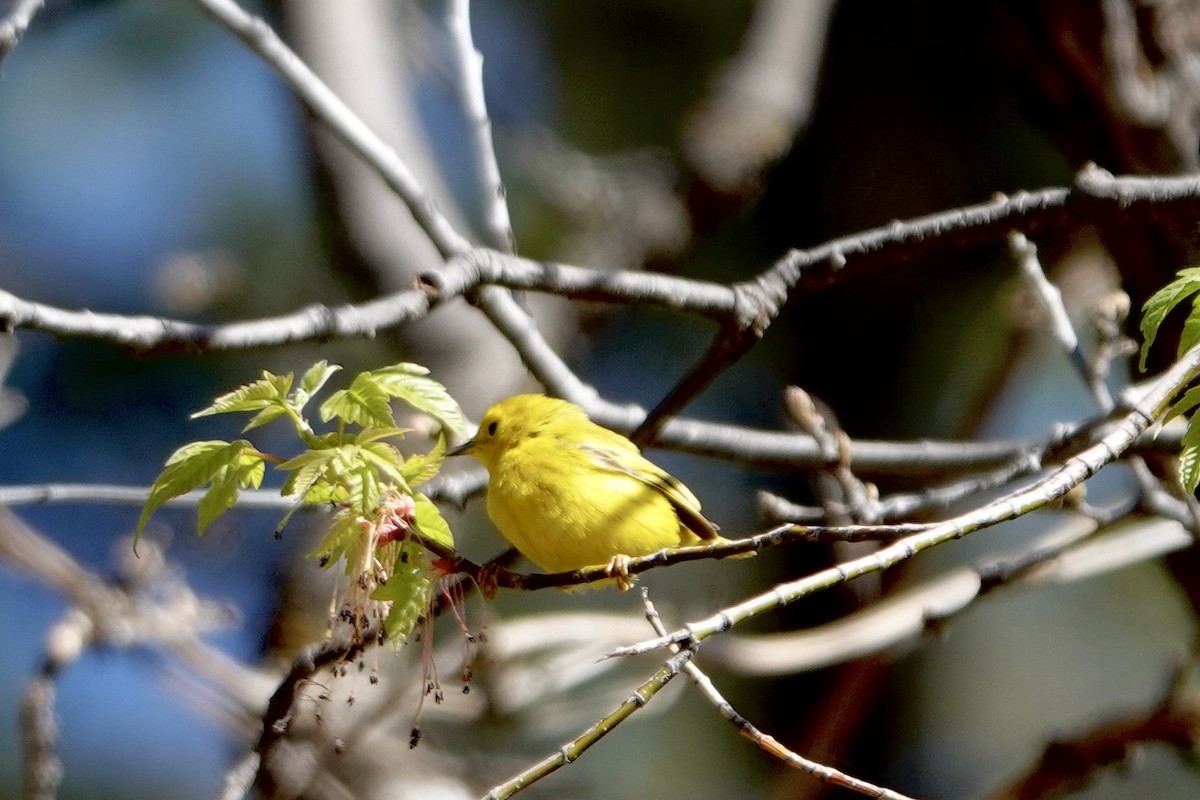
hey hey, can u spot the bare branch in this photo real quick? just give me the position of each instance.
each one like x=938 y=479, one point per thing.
x=1067 y=553
x=1096 y=196
x=1057 y=320
x=768 y=743
x=277 y=716
x=15 y=23
x=239 y=779
x=1139 y=93
x=469 y=63
x=573 y=749
x=330 y=108
x=1041 y=493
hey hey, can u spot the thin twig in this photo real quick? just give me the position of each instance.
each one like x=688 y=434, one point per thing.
x=348 y=126
x=1042 y=492
x=148 y=606
x=43 y=769
x=573 y=749
x=469 y=83
x=1070 y=552
x=495 y=573
x=768 y=743
x=278 y=714
x=1059 y=322
x=15 y=23
x=1095 y=195
x=902 y=505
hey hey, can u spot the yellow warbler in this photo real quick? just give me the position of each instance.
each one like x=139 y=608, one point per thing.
x=569 y=494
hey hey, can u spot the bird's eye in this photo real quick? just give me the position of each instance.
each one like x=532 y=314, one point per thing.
x=492 y=429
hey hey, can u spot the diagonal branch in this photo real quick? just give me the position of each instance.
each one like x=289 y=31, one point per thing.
x=469 y=62
x=15 y=23
x=1042 y=492
x=1096 y=196
x=767 y=742
x=573 y=749
x=348 y=126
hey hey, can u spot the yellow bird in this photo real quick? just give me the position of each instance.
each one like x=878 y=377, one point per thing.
x=569 y=494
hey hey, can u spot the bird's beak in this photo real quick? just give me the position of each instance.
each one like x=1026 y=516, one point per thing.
x=465 y=447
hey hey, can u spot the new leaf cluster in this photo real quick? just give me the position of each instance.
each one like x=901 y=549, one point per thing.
x=1161 y=303
x=380 y=518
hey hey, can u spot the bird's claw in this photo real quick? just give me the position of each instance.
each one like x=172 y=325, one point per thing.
x=618 y=569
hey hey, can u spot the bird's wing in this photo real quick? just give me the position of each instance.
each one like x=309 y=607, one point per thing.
x=628 y=461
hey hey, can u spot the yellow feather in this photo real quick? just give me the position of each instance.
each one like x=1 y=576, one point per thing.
x=569 y=494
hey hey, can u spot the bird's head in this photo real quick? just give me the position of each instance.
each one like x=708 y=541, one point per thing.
x=515 y=420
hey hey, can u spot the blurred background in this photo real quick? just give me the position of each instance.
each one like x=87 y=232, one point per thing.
x=151 y=164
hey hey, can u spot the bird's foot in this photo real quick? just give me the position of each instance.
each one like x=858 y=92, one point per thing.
x=618 y=569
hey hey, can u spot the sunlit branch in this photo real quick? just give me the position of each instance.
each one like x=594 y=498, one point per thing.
x=14 y=24
x=469 y=64
x=348 y=126
x=575 y=748
x=1042 y=492
x=768 y=743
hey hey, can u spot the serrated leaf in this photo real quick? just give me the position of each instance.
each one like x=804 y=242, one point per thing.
x=409 y=382
x=342 y=540
x=363 y=488
x=1189 y=457
x=190 y=467
x=423 y=467
x=363 y=403
x=268 y=414
x=374 y=434
x=1191 y=329
x=385 y=458
x=303 y=472
x=1189 y=468
x=428 y=521
x=1183 y=405
x=252 y=470
x=323 y=492
x=408 y=589
x=218 y=499
x=1155 y=310
x=251 y=397
x=312 y=381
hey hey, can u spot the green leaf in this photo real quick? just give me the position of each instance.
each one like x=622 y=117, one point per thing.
x=1161 y=303
x=408 y=382
x=408 y=589
x=304 y=471
x=1191 y=329
x=420 y=468
x=1189 y=468
x=1189 y=457
x=220 y=498
x=250 y=474
x=363 y=403
x=254 y=396
x=363 y=488
x=374 y=434
x=429 y=522
x=342 y=540
x=1183 y=405
x=222 y=464
x=188 y=468
x=268 y=414
x=315 y=378
x=385 y=458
